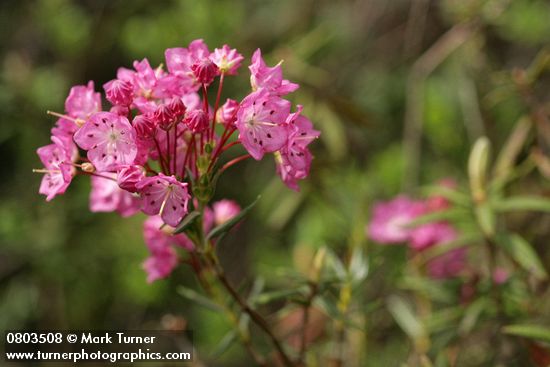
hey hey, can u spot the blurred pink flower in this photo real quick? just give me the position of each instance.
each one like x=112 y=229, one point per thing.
x=224 y=210
x=107 y=196
x=390 y=219
x=448 y=265
x=427 y=235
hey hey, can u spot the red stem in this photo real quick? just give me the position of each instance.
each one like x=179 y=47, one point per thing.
x=161 y=159
x=234 y=161
x=168 y=151
x=216 y=105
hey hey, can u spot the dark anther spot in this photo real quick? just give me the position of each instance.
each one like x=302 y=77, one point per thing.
x=269 y=135
x=90 y=135
x=174 y=207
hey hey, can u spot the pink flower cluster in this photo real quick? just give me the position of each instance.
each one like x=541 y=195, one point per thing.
x=160 y=139
x=391 y=224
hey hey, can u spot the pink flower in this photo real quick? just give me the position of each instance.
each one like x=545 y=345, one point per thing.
x=129 y=176
x=448 y=265
x=269 y=78
x=107 y=196
x=119 y=92
x=224 y=210
x=160 y=264
x=180 y=60
x=165 y=195
x=390 y=219
x=227 y=114
x=205 y=71
x=109 y=140
x=261 y=121
x=83 y=101
x=59 y=171
x=500 y=275
x=289 y=175
x=427 y=235
x=228 y=60
x=295 y=153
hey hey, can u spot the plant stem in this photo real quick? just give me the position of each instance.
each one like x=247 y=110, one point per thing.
x=254 y=316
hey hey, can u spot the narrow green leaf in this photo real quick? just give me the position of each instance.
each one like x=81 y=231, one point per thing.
x=436 y=216
x=358 y=266
x=528 y=331
x=427 y=287
x=471 y=316
x=405 y=318
x=191 y=295
x=187 y=221
x=454 y=196
x=486 y=219
x=222 y=229
x=534 y=203
x=466 y=239
x=522 y=252
x=268 y=297
x=224 y=344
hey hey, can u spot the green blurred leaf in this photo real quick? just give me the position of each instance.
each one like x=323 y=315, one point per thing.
x=404 y=316
x=430 y=288
x=440 y=215
x=224 y=344
x=358 y=266
x=536 y=332
x=471 y=316
x=223 y=228
x=522 y=252
x=268 y=297
x=192 y=295
x=187 y=221
x=486 y=218
x=535 y=203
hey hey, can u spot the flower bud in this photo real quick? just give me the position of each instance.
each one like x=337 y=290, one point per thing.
x=205 y=71
x=196 y=120
x=224 y=210
x=177 y=107
x=129 y=176
x=144 y=127
x=163 y=116
x=119 y=92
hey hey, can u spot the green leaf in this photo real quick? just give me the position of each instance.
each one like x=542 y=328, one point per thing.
x=223 y=228
x=528 y=331
x=466 y=239
x=454 y=196
x=268 y=297
x=433 y=290
x=486 y=219
x=224 y=344
x=405 y=318
x=358 y=266
x=535 y=203
x=522 y=252
x=436 y=216
x=191 y=295
x=187 y=221
x=471 y=316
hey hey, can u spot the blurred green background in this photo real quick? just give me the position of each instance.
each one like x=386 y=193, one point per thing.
x=64 y=267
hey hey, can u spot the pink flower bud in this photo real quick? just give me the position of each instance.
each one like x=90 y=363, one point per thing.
x=205 y=71
x=177 y=107
x=129 y=176
x=196 y=120
x=227 y=114
x=144 y=127
x=163 y=116
x=119 y=92
x=224 y=210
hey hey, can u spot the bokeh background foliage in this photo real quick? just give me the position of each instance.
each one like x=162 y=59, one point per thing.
x=64 y=267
